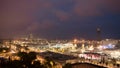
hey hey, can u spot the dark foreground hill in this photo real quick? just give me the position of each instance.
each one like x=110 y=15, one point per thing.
x=82 y=65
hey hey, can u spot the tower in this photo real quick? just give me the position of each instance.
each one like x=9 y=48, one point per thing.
x=98 y=37
x=30 y=36
x=98 y=34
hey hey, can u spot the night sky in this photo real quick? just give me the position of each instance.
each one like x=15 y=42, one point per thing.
x=60 y=19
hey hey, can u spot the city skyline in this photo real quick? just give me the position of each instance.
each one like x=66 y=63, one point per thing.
x=60 y=19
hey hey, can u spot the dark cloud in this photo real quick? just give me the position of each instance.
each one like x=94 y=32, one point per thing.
x=59 y=18
x=62 y=16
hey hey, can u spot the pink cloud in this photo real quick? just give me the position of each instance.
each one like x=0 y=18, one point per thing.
x=18 y=16
x=62 y=16
x=43 y=25
x=93 y=7
x=47 y=24
x=113 y=6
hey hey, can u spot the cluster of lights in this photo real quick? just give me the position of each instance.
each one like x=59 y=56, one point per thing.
x=109 y=46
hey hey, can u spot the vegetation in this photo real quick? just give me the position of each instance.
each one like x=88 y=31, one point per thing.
x=27 y=60
x=4 y=49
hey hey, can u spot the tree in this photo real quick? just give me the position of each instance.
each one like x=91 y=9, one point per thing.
x=27 y=58
x=37 y=64
x=49 y=62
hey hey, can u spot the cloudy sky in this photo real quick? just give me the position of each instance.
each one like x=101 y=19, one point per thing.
x=60 y=19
